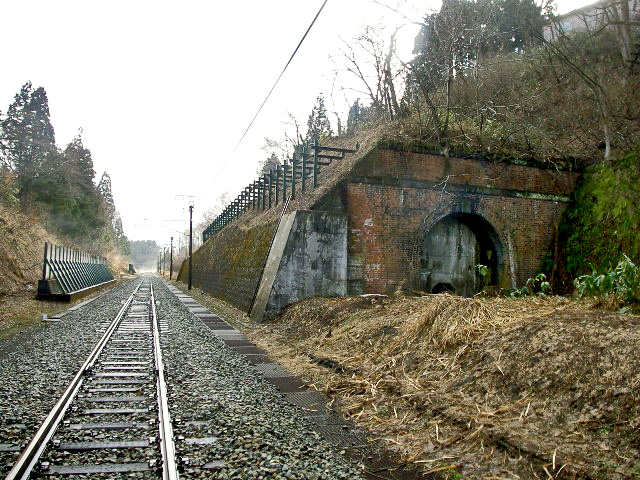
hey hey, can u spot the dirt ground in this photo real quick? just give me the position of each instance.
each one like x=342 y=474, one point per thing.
x=541 y=387
x=20 y=310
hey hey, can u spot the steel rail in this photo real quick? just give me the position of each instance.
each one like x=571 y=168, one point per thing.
x=30 y=455
x=167 y=446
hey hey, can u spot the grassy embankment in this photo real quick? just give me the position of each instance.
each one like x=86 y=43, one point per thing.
x=539 y=387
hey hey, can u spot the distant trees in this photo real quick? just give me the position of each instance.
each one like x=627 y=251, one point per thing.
x=220 y=203
x=268 y=164
x=144 y=254
x=55 y=184
x=104 y=189
x=586 y=53
x=458 y=41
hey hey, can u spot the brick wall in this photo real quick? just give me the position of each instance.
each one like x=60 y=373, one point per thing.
x=394 y=198
x=395 y=164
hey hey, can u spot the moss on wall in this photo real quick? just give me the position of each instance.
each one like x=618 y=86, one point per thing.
x=229 y=264
x=601 y=223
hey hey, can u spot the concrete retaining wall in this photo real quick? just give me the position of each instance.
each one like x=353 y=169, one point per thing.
x=308 y=258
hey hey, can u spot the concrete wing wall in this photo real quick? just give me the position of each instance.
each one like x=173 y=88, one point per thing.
x=308 y=258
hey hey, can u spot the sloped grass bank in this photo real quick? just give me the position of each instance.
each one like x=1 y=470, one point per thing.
x=601 y=225
x=484 y=388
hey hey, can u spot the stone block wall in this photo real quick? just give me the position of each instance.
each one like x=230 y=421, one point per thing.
x=228 y=265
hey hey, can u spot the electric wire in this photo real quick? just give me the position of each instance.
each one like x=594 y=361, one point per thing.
x=280 y=76
x=268 y=95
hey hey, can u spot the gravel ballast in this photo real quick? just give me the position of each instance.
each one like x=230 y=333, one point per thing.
x=231 y=419
x=230 y=422
x=37 y=365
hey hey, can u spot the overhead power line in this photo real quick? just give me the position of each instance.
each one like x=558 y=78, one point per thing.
x=280 y=76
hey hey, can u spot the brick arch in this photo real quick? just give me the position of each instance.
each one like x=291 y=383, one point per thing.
x=473 y=233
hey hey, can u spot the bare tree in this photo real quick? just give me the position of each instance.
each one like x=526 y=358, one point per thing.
x=284 y=147
x=209 y=215
x=572 y=47
x=373 y=62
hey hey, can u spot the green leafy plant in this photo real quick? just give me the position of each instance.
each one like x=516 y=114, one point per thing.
x=537 y=285
x=623 y=281
x=485 y=274
x=601 y=222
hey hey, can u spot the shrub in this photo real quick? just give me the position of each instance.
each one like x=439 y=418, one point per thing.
x=621 y=282
x=537 y=285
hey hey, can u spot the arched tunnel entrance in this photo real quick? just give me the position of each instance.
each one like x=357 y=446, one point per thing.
x=452 y=249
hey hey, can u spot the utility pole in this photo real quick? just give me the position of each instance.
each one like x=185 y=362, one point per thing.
x=171 y=260
x=164 y=260
x=190 y=242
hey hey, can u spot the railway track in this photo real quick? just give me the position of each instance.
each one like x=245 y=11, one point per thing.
x=116 y=403
x=228 y=420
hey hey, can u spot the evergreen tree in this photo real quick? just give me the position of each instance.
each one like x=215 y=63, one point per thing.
x=28 y=137
x=358 y=115
x=465 y=31
x=271 y=163
x=122 y=242
x=55 y=185
x=318 y=125
x=81 y=209
x=104 y=189
x=80 y=163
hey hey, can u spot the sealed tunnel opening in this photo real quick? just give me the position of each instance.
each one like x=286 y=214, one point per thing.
x=443 y=288
x=452 y=248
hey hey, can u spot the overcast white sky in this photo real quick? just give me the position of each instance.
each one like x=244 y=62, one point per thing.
x=163 y=90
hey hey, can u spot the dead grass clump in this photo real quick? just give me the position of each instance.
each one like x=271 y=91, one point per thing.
x=489 y=387
x=446 y=321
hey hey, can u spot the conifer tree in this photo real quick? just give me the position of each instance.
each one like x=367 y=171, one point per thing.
x=104 y=189
x=318 y=125
x=28 y=137
x=356 y=118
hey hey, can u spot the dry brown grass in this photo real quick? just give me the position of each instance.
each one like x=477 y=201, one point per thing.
x=20 y=250
x=540 y=387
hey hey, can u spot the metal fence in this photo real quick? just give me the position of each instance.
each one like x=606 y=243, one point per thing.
x=74 y=270
x=291 y=179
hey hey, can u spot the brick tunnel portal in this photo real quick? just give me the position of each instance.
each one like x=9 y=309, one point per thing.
x=451 y=250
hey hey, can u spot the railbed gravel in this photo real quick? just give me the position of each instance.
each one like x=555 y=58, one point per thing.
x=229 y=416
x=37 y=365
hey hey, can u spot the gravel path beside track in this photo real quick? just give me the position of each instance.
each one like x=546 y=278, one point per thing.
x=38 y=364
x=248 y=429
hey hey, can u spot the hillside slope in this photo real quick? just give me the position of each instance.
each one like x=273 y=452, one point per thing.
x=20 y=251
